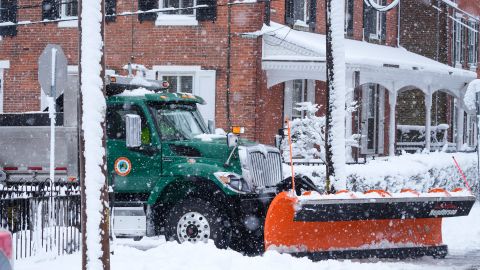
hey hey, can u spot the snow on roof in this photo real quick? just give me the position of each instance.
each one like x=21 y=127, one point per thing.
x=359 y=52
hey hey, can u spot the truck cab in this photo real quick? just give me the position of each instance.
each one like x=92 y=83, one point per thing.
x=170 y=175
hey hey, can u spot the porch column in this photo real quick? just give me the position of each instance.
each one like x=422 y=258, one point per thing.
x=460 y=117
x=428 y=120
x=392 y=99
x=348 y=124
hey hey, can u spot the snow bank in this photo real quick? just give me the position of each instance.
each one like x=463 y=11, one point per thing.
x=171 y=255
x=420 y=172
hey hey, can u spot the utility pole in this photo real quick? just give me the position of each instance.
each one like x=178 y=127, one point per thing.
x=335 y=94
x=103 y=225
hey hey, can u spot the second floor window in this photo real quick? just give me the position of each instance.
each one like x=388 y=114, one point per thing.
x=69 y=8
x=458 y=42
x=8 y=13
x=473 y=44
x=349 y=7
x=300 y=13
x=374 y=22
x=179 y=4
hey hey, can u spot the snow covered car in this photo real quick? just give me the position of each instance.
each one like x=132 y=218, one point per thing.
x=6 y=250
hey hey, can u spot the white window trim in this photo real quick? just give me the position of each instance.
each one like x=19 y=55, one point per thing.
x=4 y=64
x=204 y=84
x=67 y=24
x=176 y=19
x=378 y=25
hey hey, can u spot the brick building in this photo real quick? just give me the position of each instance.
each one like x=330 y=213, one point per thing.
x=446 y=31
x=269 y=72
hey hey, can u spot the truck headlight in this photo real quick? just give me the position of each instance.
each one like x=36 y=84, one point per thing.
x=233 y=180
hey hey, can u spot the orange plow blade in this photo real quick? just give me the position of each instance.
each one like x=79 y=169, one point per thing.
x=360 y=227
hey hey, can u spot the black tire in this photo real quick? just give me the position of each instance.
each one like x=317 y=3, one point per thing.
x=202 y=214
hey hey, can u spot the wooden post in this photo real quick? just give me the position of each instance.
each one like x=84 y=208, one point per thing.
x=330 y=169
x=104 y=223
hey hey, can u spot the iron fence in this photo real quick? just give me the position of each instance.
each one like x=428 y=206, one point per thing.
x=41 y=219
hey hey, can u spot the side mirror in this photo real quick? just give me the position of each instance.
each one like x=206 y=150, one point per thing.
x=211 y=126
x=133 y=128
x=232 y=140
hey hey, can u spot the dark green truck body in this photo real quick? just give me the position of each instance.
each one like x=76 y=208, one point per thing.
x=179 y=162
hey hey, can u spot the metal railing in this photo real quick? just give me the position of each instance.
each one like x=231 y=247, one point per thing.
x=41 y=220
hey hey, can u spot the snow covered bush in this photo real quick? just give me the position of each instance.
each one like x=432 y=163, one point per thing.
x=420 y=172
x=308 y=134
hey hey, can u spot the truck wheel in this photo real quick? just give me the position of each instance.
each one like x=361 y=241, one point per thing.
x=195 y=220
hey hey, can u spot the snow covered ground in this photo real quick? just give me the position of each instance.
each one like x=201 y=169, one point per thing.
x=461 y=234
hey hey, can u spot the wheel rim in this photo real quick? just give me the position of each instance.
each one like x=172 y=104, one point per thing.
x=193 y=227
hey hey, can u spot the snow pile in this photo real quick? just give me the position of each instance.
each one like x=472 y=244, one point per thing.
x=472 y=89
x=171 y=255
x=419 y=172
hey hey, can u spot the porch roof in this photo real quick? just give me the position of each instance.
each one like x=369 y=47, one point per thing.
x=290 y=54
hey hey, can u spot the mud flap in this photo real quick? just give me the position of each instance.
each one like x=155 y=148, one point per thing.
x=300 y=225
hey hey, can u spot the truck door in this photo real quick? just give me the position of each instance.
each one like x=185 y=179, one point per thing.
x=131 y=170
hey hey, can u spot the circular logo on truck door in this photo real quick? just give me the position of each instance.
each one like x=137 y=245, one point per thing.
x=123 y=166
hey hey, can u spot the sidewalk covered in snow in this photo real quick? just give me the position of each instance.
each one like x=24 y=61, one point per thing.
x=290 y=55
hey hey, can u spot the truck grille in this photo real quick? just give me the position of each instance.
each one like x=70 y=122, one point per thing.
x=265 y=168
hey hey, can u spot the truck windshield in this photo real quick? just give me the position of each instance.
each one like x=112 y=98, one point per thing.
x=178 y=121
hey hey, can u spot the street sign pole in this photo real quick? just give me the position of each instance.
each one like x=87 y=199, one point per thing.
x=51 y=113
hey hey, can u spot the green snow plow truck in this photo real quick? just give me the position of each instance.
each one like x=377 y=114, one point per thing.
x=170 y=174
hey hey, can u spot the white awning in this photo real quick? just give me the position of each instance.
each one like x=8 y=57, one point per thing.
x=289 y=54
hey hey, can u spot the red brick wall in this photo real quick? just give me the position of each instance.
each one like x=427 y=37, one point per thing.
x=126 y=38
x=420 y=34
x=253 y=106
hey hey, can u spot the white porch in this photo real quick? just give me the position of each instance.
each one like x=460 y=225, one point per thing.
x=289 y=55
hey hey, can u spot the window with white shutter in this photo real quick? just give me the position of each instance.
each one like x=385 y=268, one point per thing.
x=190 y=79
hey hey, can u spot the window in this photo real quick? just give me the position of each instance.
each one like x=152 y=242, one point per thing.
x=374 y=22
x=297 y=91
x=458 y=42
x=301 y=13
x=69 y=9
x=182 y=84
x=191 y=79
x=8 y=13
x=179 y=4
x=349 y=7
x=115 y=125
x=473 y=44
x=177 y=17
